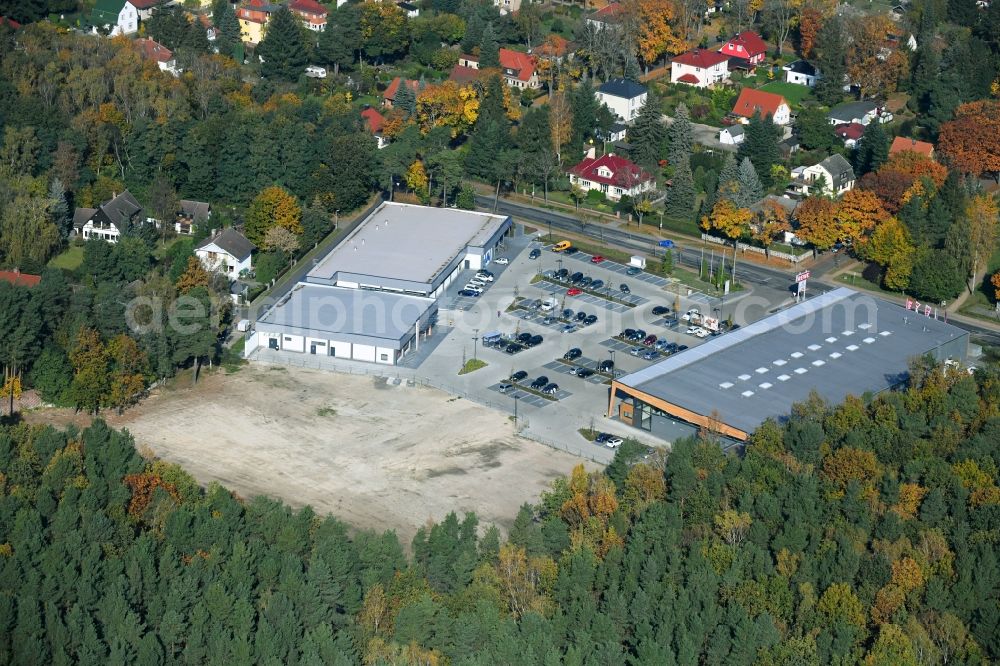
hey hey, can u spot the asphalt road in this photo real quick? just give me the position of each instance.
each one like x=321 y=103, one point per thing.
x=760 y=275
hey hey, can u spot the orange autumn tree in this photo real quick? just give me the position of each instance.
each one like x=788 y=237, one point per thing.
x=867 y=63
x=656 y=35
x=971 y=142
x=591 y=503
x=857 y=214
x=810 y=22
x=769 y=224
x=727 y=219
x=982 y=214
x=817 y=225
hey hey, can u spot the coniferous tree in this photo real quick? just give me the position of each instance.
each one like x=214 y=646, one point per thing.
x=406 y=99
x=680 y=136
x=750 y=188
x=474 y=28
x=831 y=62
x=760 y=144
x=227 y=37
x=872 y=151
x=491 y=134
x=648 y=136
x=283 y=49
x=489 y=48
x=727 y=185
x=681 y=194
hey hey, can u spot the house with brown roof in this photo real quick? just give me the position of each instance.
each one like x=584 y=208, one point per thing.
x=902 y=144
x=849 y=133
x=462 y=74
x=700 y=68
x=163 y=57
x=389 y=96
x=555 y=48
x=753 y=101
x=612 y=175
x=611 y=15
x=311 y=13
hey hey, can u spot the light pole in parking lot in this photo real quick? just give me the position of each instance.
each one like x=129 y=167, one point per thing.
x=475 y=343
x=559 y=264
x=612 y=352
x=516 y=398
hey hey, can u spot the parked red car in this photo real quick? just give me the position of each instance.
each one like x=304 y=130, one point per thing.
x=596 y=259
x=573 y=292
x=649 y=341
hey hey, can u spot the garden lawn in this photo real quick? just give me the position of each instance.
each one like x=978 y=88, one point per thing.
x=68 y=260
x=792 y=92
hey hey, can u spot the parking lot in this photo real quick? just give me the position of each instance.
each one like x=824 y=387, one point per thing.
x=510 y=306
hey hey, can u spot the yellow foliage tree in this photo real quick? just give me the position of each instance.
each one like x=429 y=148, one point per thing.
x=890 y=247
x=840 y=603
x=906 y=574
x=910 y=496
x=273 y=207
x=849 y=464
x=857 y=214
x=732 y=526
x=656 y=35
x=447 y=105
x=416 y=178
x=816 y=222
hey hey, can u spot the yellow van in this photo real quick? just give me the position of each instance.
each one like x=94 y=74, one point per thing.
x=561 y=245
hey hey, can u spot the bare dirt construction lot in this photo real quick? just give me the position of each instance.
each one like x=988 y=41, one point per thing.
x=374 y=455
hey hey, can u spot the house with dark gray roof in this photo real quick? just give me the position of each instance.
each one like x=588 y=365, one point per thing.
x=227 y=252
x=109 y=220
x=190 y=215
x=801 y=72
x=832 y=177
x=623 y=96
x=853 y=112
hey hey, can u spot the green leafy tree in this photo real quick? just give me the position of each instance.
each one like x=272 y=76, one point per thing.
x=283 y=48
x=814 y=130
x=490 y=135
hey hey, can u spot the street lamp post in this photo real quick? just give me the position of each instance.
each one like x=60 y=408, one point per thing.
x=516 y=398
x=475 y=343
x=336 y=219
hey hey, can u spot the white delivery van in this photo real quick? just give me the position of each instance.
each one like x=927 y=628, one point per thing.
x=637 y=261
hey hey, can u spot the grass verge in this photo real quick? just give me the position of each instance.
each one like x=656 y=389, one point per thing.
x=69 y=259
x=472 y=365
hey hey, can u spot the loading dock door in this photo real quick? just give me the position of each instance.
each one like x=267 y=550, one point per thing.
x=272 y=343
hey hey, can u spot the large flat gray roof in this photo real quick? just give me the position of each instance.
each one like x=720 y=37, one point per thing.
x=408 y=242
x=337 y=311
x=839 y=343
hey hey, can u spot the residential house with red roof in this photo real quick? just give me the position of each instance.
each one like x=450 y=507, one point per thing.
x=463 y=75
x=849 y=133
x=19 y=279
x=374 y=122
x=312 y=14
x=158 y=53
x=145 y=7
x=745 y=51
x=519 y=70
x=611 y=174
x=10 y=23
x=700 y=68
x=753 y=101
x=608 y=16
x=555 y=48
x=389 y=96
x=902 y=144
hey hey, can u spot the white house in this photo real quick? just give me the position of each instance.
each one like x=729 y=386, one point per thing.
x=624 y=97
x=832 y=177
x=699 y=68
x=802 y=73
x=732 y=135
x=118 y=17
x=158 y=53
x=191 y=215
x=412 y=10
x=507 y=6
x=613 y=175
x=108 y=221
x=228 y=253
x=861 y=113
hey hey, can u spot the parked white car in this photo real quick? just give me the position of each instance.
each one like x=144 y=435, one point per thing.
x=472 y=287
x=614 y=442
x=477 y=281
x=701 y=333
x=316 y=72
x=693 y=313
x=503 y=261
x=484 y=276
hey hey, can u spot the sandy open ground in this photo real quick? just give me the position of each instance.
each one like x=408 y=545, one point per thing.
x=375 y=455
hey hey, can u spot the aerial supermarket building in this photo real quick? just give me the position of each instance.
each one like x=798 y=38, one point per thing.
x=373 y=295
x=839 y=343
